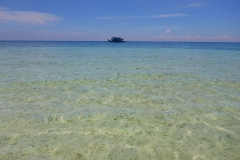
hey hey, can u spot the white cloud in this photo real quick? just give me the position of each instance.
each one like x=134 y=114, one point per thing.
x=154 y=16
x=193 y=5
x=168 y=30
x=29 y=18
x=171 y=15
x=149 y=28
x=112 y=18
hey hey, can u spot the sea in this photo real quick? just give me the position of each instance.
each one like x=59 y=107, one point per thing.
x=119 y=101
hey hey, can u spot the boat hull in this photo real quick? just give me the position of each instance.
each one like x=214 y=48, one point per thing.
x=115 y=41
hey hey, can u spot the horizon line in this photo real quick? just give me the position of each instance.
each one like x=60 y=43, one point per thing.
x=125 y=41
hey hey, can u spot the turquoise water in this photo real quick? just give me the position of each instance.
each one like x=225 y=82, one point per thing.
x=133 y=100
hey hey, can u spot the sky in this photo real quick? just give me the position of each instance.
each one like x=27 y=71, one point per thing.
x=134 y=20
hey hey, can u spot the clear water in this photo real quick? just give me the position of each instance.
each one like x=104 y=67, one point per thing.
x=133 y=100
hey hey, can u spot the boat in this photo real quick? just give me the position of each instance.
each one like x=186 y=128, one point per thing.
x=116 y=39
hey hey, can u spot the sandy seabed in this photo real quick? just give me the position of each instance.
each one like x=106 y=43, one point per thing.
x=127 y=117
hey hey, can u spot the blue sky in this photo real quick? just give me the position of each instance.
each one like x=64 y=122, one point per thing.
x=141 y=20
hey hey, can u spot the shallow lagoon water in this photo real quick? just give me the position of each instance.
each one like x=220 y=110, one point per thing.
x=133 y=100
